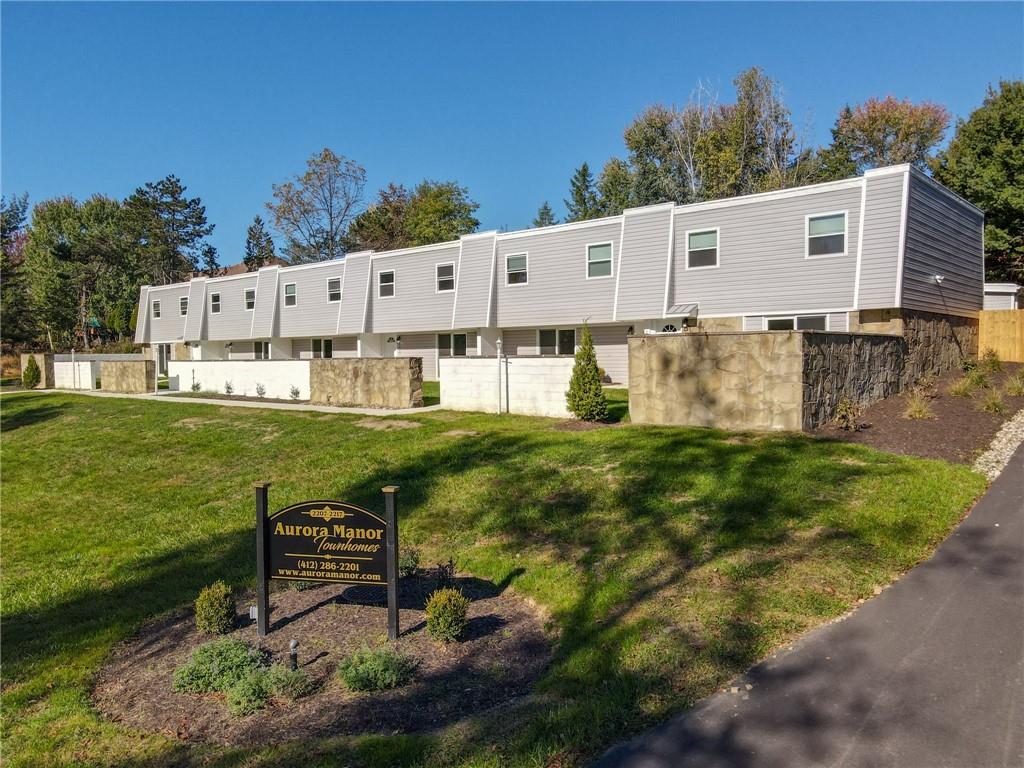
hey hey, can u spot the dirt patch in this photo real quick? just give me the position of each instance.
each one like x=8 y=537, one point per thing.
x=384 y=425
x=194 y=422
x=959 y=432
x=505 y=652
x=460 y=433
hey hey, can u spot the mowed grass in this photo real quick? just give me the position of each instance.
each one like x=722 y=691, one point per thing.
x=665 y=560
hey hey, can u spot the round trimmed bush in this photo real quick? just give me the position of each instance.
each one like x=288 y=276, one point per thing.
x=30 y=376
x=215 y=609
x=447 y=611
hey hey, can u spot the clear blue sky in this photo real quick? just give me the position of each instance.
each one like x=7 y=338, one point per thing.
x=505 y=99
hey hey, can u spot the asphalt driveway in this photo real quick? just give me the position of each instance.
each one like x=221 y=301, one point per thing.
x=929 y=674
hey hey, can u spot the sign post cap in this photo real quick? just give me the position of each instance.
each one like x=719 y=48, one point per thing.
x=389 y=488
x=259 y=484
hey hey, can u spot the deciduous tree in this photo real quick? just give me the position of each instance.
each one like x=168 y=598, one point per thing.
x=15 y=321
x=440 y=211
x=889 y=131
x=382 y=226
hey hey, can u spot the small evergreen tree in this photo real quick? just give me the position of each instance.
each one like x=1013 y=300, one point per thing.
x=545 y=216
x=582 y=203
x=30 y=376
x=585 y=398
x=259 y=246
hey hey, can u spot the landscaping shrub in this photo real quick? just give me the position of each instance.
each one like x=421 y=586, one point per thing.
x=289 y=683
x=377 y=670
x=229 y=388
x=968 y=364
x=215 y=609
x=408 y=562
x=250 y=694
x=992 y=403
x=196 y=386
x=446 y=615
x=1015 y=385
x=586 y=399
x=847 y=415
x=294 y=393
x=216 y=666
x=962 y=387
x=30 y=376
x=990 y=362
x=978 y=379
x=918 y=407
x=446 y=574
x=261 y=391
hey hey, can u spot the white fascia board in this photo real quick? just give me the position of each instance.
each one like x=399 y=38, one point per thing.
x=779 y=194
x=571 y=225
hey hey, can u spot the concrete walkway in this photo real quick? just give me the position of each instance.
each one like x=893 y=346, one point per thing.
x=255 y=404
x=927 y=675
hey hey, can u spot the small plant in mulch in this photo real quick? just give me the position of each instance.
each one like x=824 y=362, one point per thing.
x=216 y=666
x=261 y=391
x=376 y=670
x=918 y=407
x=446 y=574
x=408 y=562
x=291 y=684
x=229 y=388
x=990 y=362
x=586 y=399
x=30 y=376
x=1014 y=385
x=196 y=386
x=968 y=364
x=925 y=386
x=970 y=383
x=294 y=393
x=847 y=415
x=447 y=618
x=215 y=609
x=301 y=586
x=992 y=402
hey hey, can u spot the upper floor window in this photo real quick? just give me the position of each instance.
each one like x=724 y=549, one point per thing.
x=334 y=289
x=215 y=303
x=445 y=277
x=183 y=306
x=156 y=309
x=599 y=260
x=386 y=284
x=826 y=234
x=289 y=294
x=515 y=269
x=250 y=298
x=702 y=249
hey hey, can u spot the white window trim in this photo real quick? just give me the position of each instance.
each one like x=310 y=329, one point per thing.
x=156 y=309
x=557 y=330
x=524 y=254
x=183 y=310
x=214 y=303
x=438 y=279
x=329 y=299
x=284 y=293
x=394 y=283
x=718 y=248
x=245 y=301
x=807 y=234
x=611 y=260
x=766 y=318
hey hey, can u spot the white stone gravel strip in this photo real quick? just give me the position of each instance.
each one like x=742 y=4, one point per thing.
x=992 y=462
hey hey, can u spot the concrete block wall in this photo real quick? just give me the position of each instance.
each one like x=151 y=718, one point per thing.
x=374 y=382
x=529 y=386
x=277 y=376
x=80 y=374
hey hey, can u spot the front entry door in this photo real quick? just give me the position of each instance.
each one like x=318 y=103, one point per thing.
x=163 y=354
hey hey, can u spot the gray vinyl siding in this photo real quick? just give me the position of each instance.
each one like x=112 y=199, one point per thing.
x=557 y=290
x=170 y=326
x=999 y=301
x=353 y=295
x=753 y=323
x=879 y=261
x=422 y=345
x=346 y=346
x=944 y=237
x=233 y=321
x=473 y=282
x=611 y=350
x=762 y=266
x=519 y=341
x=242 y=350
x=313 y=315
x=839 y=321
x=264 y=317
x=416 y=305
x=142 y=317
x=643 y=265
x=196 y=310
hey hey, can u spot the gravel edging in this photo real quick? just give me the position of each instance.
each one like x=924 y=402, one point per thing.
x=992 y=462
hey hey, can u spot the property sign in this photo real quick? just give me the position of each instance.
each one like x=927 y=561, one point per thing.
x=329 y=541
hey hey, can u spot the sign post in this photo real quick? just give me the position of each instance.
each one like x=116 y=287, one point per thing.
x=262 y=562
x=391 y=521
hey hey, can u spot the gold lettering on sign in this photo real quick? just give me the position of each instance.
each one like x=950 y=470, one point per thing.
x=327 y=514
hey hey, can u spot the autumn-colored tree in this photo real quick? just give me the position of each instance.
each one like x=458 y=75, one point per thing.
x=889 y=131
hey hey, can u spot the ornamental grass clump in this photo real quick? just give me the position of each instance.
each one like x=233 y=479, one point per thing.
x=586 y=399
x=215 y=609
x=992 y=402
x=1015 y=385
x=918 y=407
x=30 y=376
x=376 y=670
x=447 y=618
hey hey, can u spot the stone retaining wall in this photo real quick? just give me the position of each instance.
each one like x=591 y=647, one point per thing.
x=45 y=362
x=374 y=382
x=128 y=377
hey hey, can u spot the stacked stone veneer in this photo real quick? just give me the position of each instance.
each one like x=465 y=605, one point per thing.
x=375 y=382
x=128 y=377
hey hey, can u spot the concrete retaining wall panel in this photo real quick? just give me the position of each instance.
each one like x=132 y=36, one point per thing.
x=80 y=374
x=529 y=386
x=277 y=376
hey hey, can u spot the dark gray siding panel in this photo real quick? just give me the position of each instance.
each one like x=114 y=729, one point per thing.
x=353 y=295
x=644 y=262
x=233 y=321
x=170 y=326
x=558 y=291
x=473 y=282
x=944 y=237
x=313 y=315
x=879 y=261
x=761 y=256
x=416 y=305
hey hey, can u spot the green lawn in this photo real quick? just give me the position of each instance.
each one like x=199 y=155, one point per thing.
x=668 y=560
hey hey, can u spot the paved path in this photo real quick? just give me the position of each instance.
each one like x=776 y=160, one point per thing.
x=927 y=675
x=255 y=404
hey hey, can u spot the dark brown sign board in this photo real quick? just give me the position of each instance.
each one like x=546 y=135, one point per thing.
x=328 y=541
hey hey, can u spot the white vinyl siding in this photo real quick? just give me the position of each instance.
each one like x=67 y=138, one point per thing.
x=420 y=307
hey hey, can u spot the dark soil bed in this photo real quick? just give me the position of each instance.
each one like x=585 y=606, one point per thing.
x=505 y=652
x=959 y=432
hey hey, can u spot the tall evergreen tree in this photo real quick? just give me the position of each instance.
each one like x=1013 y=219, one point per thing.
x=383 y=225
x=582 y=203
x=836 y=161
x=615 y=187
x=259 y=246
x=15 y=321
x=545 y=216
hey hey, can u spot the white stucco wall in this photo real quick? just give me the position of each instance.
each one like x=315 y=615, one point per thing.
x=278 y=376
x=532 y=386
x=81 y=374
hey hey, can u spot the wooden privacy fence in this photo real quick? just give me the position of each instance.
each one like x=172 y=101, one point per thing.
x=1003 y=331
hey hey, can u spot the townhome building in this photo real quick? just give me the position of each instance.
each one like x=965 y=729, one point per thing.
x=854 y=255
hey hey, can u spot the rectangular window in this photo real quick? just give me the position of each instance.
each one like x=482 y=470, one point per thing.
x=826 y=234
x=183 y=305
x=261 y=350
x=156 y=309
x=323 y=348
x=599 y=260
x=445 y=277
x=702 y=249
x=289 y=294
x=215 y=303
x=515 y=269
x=458 y=345
x=334 y=289
x=557 y=342
x=451 y=345
x=779 y=324
x=811 y=323
x=250 y=298
x=386 y=284
x=567 y=341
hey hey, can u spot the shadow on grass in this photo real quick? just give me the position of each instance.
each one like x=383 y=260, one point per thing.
x=24 y=417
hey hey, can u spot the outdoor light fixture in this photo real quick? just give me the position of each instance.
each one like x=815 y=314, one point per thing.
x=293 y=654
x=252 y=612
x=938 y=279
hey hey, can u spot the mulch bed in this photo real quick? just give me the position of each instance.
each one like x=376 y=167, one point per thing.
x=505 y=651
x=959 y=432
